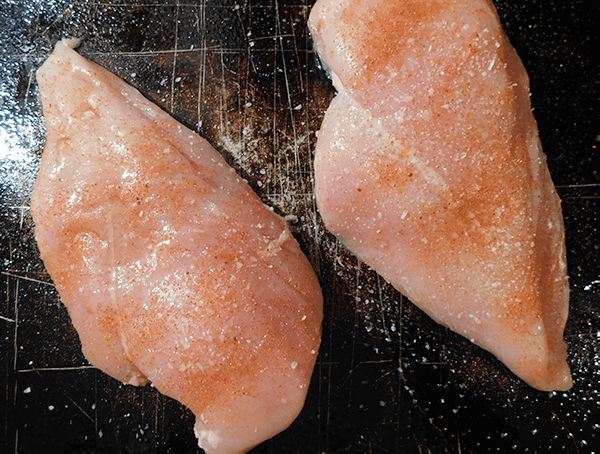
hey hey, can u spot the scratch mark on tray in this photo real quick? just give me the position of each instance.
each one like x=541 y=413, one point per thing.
x=277 y=194
x=156 y=411
x=145 y=53
x=592 y=185
x=400 y=368
x=241 y=22
x=287 y=86
x=21 y=208
x=297 y=56
x=381 y=361
x=202 y=75
x=224 y=131
x=580 y=335
x=328 y=355
x=114 y=418
x=160 y=412
x=55 y=369
x=26 y=278
x=248 y=34
x=16 y=349
x=146 y=5
x=31 y=74
x=387 y=373
x=560 y=188
x=313 y=218
x=59 y=17
x=274 y=128
x=569 y=433
x=95 y=406
x=172 y=101
x=251 y=59
x=357 y=317
x=80 y=409
x=383 y=321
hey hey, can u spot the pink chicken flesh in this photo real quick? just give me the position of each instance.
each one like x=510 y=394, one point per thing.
x=172 y=269
x=429 y=168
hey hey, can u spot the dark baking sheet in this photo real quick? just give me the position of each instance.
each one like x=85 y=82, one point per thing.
x=244 y=75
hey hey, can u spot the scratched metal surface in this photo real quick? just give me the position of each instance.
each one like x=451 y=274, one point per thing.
x=244 y=75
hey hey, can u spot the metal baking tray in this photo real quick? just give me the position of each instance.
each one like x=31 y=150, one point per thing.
x=245 y=76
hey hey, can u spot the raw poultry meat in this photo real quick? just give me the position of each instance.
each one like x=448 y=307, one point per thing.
x=429 y=168
x=172 y=269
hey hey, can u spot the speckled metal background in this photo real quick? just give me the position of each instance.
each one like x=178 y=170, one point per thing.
x=244 y=75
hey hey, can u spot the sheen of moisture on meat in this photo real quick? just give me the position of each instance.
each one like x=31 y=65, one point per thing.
x=171 y=268
x=429 y=168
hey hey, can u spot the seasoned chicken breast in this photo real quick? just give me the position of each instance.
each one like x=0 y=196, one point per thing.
x=172 y=270
x=429 y=168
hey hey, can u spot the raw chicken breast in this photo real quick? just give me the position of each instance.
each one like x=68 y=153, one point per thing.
x=172 y=269
x=429 y=168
